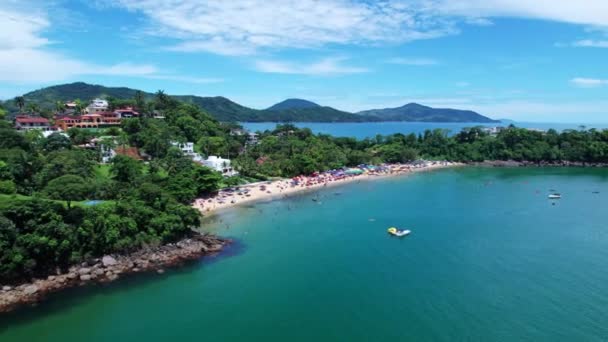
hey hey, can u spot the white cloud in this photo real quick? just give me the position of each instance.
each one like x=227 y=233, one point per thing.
x=479 y=21
x=21 y=29
x=243 y=27
x=214 y=45
x=185 y=79
x=586 y=12
x=591 y=43
x=324 y=67
x=412 y=61
x=26 y=55
x=588 y=82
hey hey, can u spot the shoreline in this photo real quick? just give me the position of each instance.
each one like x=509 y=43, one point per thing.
x=525 y=163
x=277 y=189
x=110 y=268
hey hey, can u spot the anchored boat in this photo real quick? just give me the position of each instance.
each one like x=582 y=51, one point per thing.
x=398 y=232
x=555 y=196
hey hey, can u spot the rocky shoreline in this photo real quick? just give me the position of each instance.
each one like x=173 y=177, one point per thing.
x=109 y=268
x=514 y=163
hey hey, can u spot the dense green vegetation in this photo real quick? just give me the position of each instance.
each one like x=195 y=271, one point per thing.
x=289 y=151
x=417 y=112
x=143 y=204
x=225 y=110
x=44 y=182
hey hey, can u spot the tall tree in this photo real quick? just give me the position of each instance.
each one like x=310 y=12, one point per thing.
x=80 y=106
x=20 y=101
x=140 y=101
x=162 y=99
x=33 y=108
x=67 y=188
x=125 y=169
x=59 y=107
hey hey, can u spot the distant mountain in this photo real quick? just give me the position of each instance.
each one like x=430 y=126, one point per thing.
x=223 y=109
x=314 y=114
x=293 y=104
x=418 y=112
x=46 y=97
x=507 y=121
x=307 y=111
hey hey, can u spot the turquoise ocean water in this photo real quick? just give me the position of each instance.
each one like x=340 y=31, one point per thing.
x=371 y=129
x=490 y=259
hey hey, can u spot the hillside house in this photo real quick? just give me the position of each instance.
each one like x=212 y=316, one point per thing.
x=126 y=113
x=27 y=122
x=220 y=165
x=187 y=148
x=97 y=106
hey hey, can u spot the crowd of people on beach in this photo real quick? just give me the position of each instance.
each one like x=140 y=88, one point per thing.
x=269 y=189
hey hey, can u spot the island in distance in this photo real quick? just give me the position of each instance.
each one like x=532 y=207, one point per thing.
x=223 y=109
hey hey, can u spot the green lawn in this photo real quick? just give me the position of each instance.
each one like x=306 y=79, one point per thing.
x=102 y=171
x=5 y=200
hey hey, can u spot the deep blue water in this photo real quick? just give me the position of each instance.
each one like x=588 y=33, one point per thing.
x=371 y=129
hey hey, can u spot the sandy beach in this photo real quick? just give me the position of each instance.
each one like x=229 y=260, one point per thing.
x=276 y=189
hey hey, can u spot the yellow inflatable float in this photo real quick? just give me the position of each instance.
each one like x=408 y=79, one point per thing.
x=398 y=232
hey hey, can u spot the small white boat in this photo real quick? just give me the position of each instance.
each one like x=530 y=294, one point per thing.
x=555 y=196
x=398 y=232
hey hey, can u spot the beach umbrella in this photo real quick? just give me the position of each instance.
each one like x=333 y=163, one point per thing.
x=353 y=171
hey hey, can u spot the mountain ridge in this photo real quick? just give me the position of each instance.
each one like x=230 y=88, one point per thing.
x=293 y=103
x=420 y=113
x=224 y=109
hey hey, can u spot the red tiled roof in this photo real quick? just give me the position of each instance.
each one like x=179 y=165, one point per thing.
x=31 y=119
x=67 y=117
x=132 y=152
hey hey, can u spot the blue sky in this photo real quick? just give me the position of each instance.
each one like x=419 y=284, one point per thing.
x=543 y=60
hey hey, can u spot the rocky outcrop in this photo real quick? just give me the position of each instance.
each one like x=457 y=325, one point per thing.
x=110 y=268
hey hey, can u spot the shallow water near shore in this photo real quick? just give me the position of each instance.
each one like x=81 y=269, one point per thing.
x=490 y=258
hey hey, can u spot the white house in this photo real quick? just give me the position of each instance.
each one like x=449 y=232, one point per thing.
x=220 y=165
x=97 y=106
x=187 y=147
x=107 y=153
x=54 y=130
x=26 y=122
x=252 y=138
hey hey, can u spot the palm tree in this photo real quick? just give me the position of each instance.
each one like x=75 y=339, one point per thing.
x=60 y=107
x=123 y=139
x=140 y=101
x=162 y=99
x=79 y=106
x=20 y=101
x=33 y=108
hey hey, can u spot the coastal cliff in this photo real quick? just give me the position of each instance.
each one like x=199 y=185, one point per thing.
x=109 y=268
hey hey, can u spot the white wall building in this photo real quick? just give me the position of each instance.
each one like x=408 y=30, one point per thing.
x=220 y=165
x=187 y=147
x=107 y=154
x=252 y=138
x=46 y=134
x=97 y=106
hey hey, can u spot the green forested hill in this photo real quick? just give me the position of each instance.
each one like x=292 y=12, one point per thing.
x=223 y=109
x=417 y=112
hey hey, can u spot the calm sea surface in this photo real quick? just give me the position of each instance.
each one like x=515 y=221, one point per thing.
x=490 y=259
x=371 y=129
